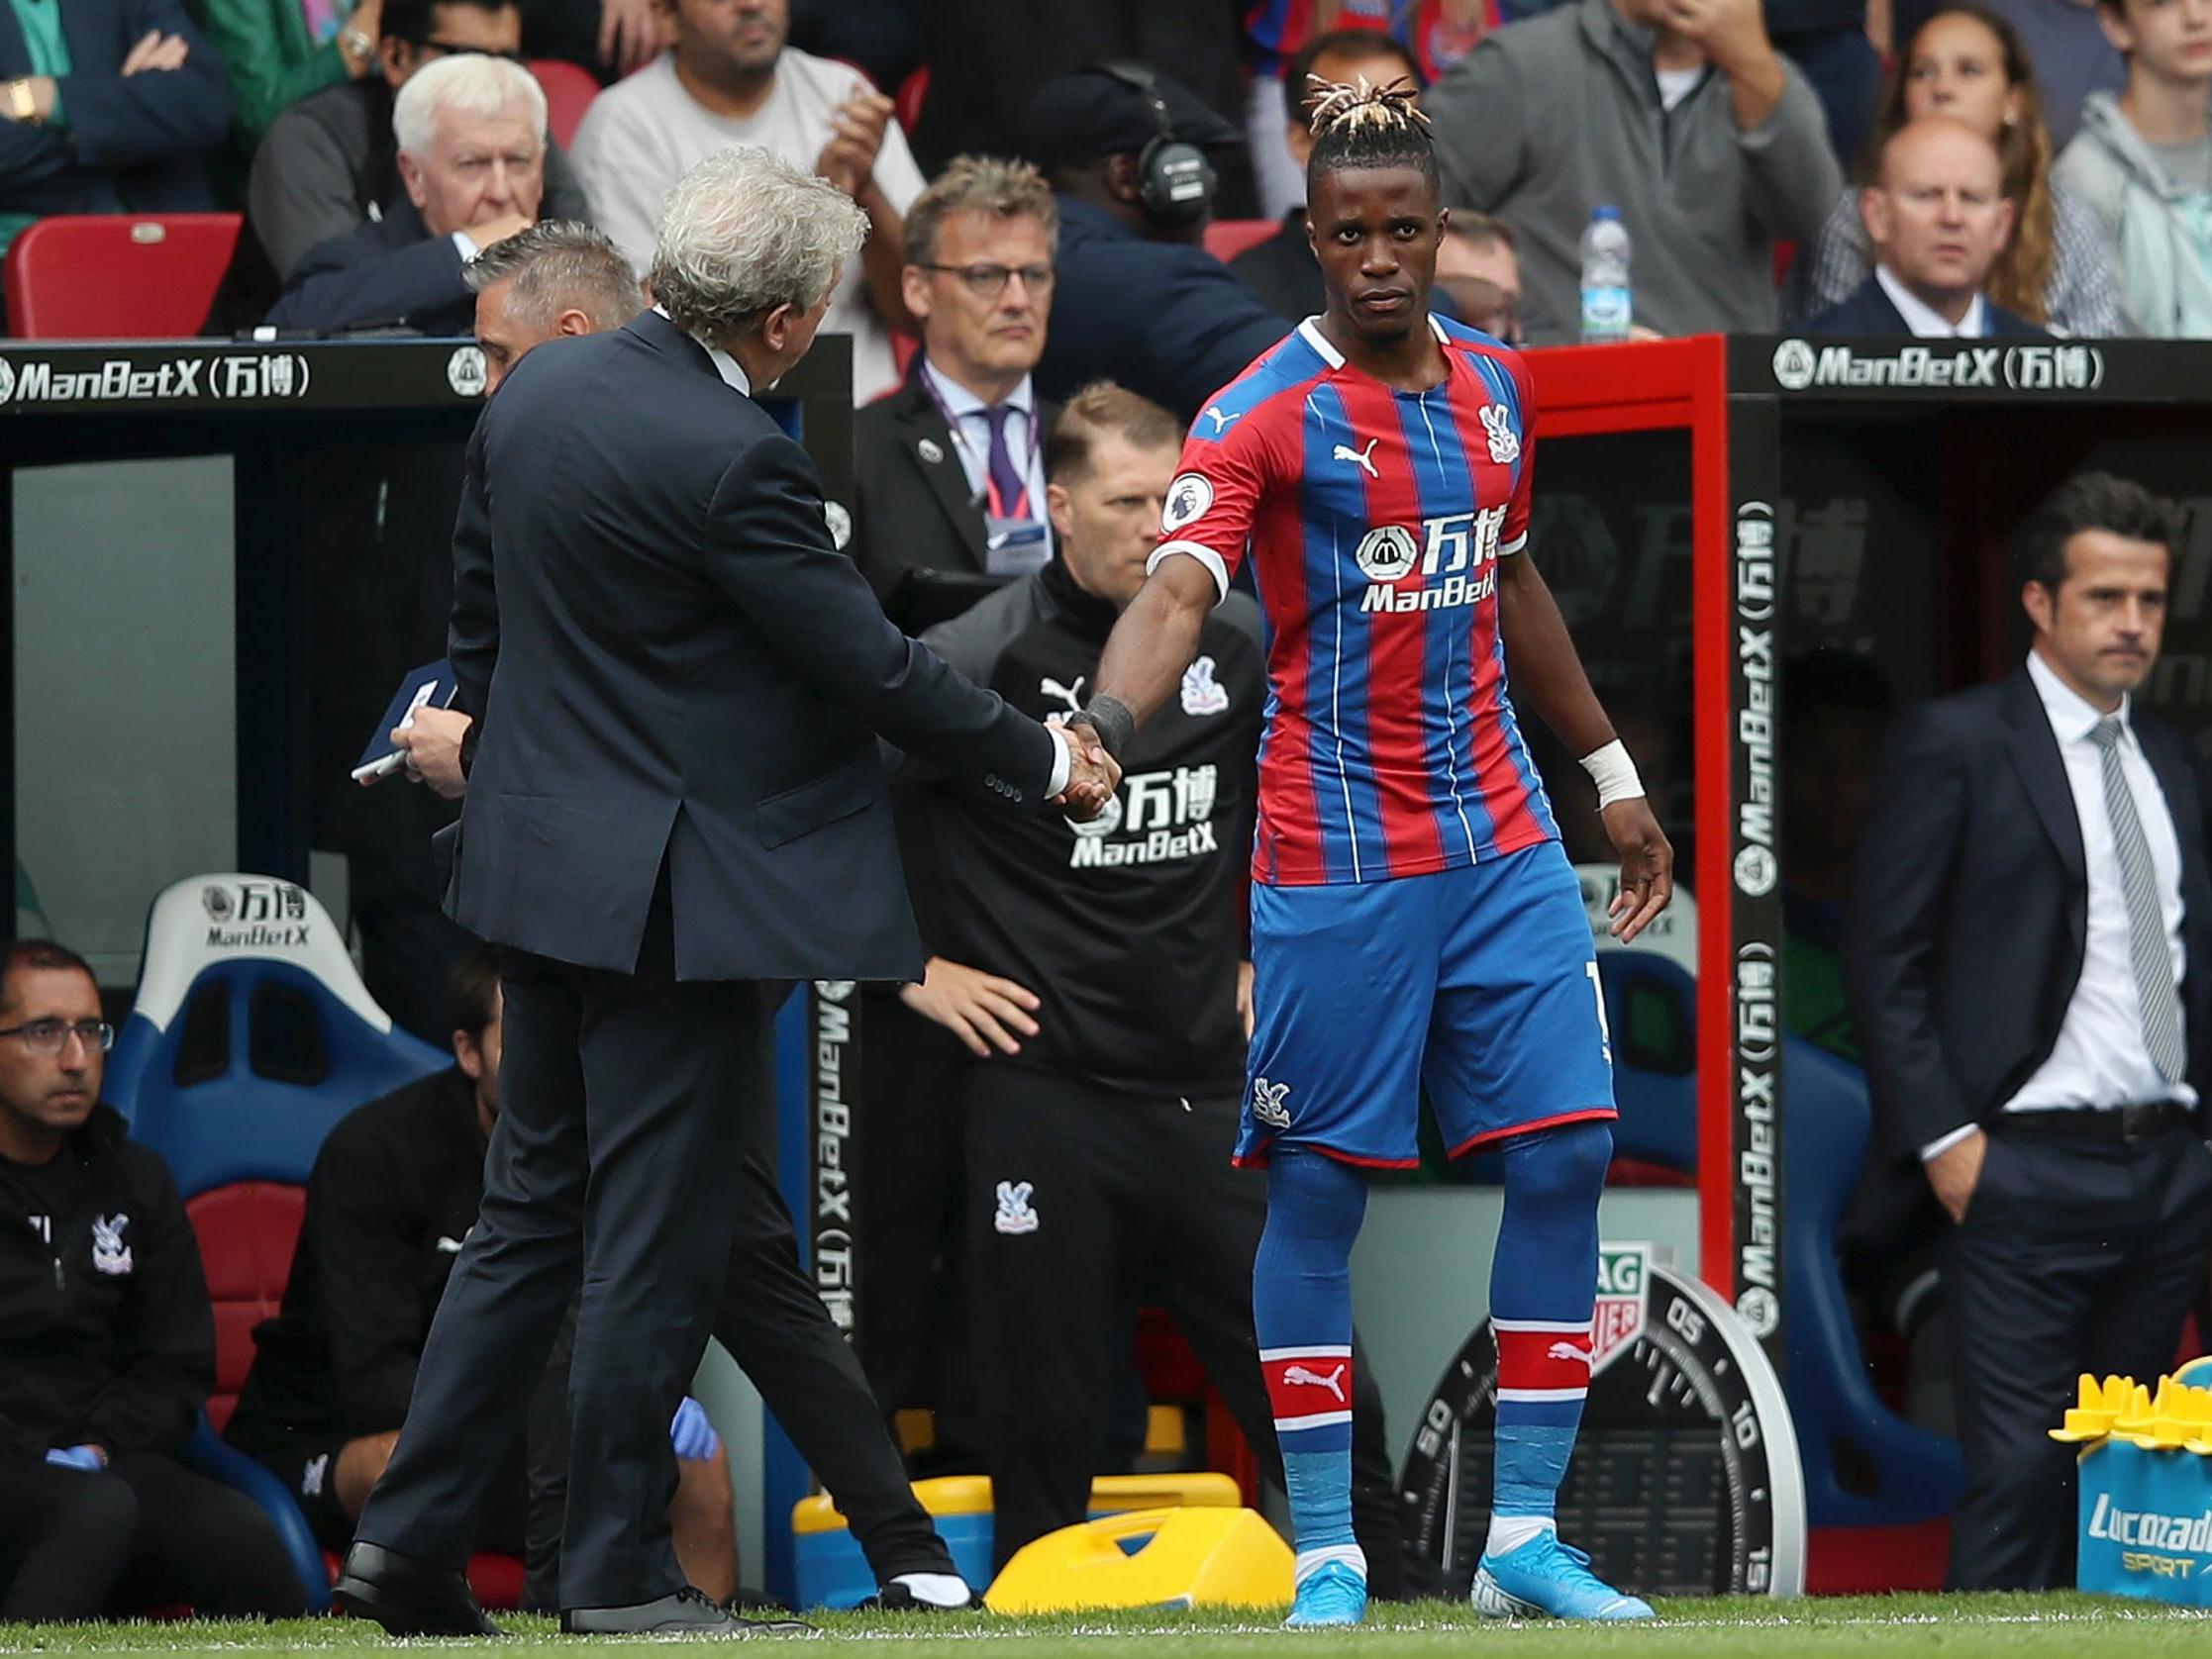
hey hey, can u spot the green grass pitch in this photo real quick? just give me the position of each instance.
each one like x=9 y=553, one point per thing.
x=1952 y=1627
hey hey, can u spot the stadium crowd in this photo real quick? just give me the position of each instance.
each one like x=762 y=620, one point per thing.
x=1035 y=321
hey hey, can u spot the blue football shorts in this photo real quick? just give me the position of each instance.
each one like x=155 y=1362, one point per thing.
x=1480 y=982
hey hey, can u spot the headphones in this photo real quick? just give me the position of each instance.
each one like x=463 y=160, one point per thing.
x=1175 y=182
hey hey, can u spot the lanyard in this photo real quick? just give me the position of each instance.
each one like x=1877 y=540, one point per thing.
x=990 y=490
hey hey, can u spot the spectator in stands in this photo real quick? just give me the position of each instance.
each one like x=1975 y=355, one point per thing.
x=1677 y=112
x=1108 y=1061
x=1276 y=82
x=2143 y=163
x=731 y=79
x=951 y=473
x=1938 y=218
x=1479 y=270
x=276 y=52
x=106 y=106
x=331 y=161
x=2028 y=957
x=394 y=1191
x=107 y=1343
x=1967 y=63
x=552 y=281
x=471 y=131
x=1282 y=270
x=1138 y=302
x=2072 y=58
x=1828 y=40
x=607 y=39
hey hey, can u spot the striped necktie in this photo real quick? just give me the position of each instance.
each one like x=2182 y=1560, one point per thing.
x=2147 y=949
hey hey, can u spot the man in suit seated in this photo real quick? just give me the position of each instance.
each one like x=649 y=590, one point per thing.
x=394 y=1191
x=107 y=1343
x=106 y=106
x=1938 y=217
x=472 y=133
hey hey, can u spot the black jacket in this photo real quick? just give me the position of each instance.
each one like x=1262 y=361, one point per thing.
x=1970 y=910
x=137 y=144
x=1869 y=311
x=671 y=665
x=912 y=515
x=106 y=1334
x=394 y=1191
x=1129 y=930
x=1282 y=270
x=388 y=270
x=1165 y=319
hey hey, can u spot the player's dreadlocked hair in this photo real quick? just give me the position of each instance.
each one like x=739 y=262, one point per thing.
x=1362 y=125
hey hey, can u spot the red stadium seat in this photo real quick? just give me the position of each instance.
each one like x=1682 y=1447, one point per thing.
x=1228 y=238
x=246 y=1231
x=117 y=276
x=907 y=101
x=570 y=92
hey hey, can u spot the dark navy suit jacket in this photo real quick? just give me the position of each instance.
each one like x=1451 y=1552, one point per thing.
x=672 y=664
x=1970 y=910
x=1869 y=311
x=1166 y=320
x=383 y=270
x=137 y=143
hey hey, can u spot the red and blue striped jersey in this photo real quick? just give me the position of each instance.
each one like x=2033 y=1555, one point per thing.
x=1376 y=519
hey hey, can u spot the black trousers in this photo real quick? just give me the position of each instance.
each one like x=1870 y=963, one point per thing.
x=782 y=1337
x=142 y=1533
x=2076 y=1254
x=624 y=1113
x=1083 y=1202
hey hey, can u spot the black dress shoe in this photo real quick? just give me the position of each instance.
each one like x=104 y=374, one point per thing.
x=408 y=1595
x=687 y=1613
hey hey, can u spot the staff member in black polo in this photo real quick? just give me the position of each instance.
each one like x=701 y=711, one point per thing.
x=2028 y=962
x=1097 y=972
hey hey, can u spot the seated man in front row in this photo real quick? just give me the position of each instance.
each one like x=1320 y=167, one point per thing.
x=395 y=1190
x=472 y=135
x=107 y=1343
x=1938 y=217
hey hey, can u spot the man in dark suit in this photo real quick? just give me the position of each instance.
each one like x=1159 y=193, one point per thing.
x=2028 y=963
x=949 y=468
x=1139 y=301
x=105 y=106
x=472 y=178
x=679 y=686
x=1938 y=217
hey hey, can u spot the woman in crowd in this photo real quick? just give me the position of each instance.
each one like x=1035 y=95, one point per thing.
x=1967 y=63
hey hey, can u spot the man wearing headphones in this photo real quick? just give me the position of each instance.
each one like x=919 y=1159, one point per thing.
x=1138 y=300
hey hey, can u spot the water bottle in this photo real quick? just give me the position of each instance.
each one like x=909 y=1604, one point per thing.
x=1606 y=307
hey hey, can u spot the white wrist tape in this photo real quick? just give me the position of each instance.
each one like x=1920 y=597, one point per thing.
x=1614 y=773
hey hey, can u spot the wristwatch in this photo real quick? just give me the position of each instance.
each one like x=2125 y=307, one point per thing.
x=21 y=105
x=357 y=46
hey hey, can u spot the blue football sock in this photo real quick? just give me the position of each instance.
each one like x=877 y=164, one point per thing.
x=1301 y=1309
x=1542 y=1285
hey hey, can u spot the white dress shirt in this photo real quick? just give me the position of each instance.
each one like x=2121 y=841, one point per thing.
x=733 y=373
x=1924 y=319
x=2100 y=1060
x=971 y=440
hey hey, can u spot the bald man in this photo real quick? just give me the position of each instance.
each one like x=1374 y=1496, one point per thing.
x=1938 y=217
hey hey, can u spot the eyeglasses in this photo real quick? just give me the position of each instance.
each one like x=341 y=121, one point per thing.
x=988 y=282
x=51 y=1036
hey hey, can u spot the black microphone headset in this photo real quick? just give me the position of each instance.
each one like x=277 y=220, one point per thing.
x=1176 y=183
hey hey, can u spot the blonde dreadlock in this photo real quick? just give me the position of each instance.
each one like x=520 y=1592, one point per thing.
x=1362 y=125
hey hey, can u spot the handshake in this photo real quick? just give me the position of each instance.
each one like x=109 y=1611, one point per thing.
x=1093 y=773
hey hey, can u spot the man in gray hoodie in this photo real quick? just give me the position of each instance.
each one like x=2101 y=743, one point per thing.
x=1677 y=112
x=2143 y=164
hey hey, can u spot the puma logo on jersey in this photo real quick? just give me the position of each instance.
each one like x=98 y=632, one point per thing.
x=1072 y=695
x=1332 y=1382
x=1213 y=412
x=1364 y=459
x=1567 y=1350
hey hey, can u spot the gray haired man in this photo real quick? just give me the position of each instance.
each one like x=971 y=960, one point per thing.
x=677 y=684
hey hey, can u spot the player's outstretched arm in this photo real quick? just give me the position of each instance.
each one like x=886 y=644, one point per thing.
x=1548 y=675
x=1151 y=647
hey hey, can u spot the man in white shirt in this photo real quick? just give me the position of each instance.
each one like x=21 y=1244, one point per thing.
x=729 y=79
x=1938 y=217
x=2028 y=962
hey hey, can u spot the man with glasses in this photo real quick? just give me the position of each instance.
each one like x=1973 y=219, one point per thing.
x=107 y=1342
x=330 y=162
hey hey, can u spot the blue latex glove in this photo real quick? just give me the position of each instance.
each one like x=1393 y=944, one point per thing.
x=86 y=1458
x=691 y=1435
